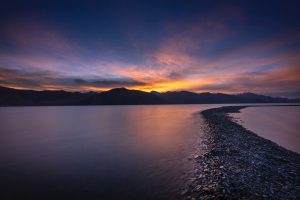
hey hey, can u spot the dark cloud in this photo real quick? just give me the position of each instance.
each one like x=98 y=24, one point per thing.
x=118 y=82
x=44 y=80
x=20 y=78
x=162 y=46
x=176 y=75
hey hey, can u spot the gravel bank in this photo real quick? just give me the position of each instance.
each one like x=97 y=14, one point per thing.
x=238 y=164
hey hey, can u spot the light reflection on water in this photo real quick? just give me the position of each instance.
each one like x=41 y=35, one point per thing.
x=100 y=152
x=277 y=123
x=96 y=151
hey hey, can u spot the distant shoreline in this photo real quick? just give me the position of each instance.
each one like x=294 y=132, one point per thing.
x=239 y=164
x=225 y=105
x=123 y=96
x=279 y=124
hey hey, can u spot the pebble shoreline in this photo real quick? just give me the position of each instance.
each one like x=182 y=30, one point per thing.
x=238 y=164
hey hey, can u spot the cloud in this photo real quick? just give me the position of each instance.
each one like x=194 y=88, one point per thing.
x=277 y=82
x=260 y=46
x=200 y=54
x=181 y=63
x=32 y=35
x=44 y=80
x=106 y=83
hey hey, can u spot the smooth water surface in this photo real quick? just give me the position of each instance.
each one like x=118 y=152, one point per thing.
x=96 y=152
x=280 y=124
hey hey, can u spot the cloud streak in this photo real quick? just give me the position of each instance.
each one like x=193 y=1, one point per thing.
x=281 y=81
x=48 y=80
x=209 y=51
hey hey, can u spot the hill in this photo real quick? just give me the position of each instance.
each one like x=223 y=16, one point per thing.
x=123 y=96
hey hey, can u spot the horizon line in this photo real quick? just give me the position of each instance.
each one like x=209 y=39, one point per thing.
x=153 y=91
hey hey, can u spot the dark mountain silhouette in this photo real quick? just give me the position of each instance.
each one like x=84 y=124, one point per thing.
x=195 y=98
x=207 y=97
x=13 y=97
x=123 y=96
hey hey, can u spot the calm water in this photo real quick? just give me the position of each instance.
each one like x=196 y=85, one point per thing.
x=96 y=152
x=106 y=152
x=277 y=123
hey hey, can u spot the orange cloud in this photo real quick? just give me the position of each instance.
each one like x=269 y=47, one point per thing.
x=281 y=80
x=179 y=62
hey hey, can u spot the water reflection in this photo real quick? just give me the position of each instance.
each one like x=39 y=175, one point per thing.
x=277 y=123
x=96 y=152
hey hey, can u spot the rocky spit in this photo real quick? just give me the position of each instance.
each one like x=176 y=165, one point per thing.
x=238 y=164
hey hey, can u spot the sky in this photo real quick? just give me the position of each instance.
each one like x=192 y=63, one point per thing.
x=199 y=46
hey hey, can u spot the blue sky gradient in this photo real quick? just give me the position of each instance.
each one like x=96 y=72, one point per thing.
x=200 y=46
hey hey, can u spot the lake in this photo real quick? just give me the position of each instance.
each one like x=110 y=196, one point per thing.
x=99 y=152
x=96 y=152
x=277 y=123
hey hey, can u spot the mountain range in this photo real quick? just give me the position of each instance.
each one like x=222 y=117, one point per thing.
x=123 y=96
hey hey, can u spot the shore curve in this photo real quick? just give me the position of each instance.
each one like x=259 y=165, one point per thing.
x=239 y=164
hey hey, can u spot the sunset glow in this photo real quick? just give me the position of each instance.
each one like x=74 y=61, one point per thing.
x=214 y=48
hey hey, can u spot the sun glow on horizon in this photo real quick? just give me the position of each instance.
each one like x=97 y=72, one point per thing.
x=220 y=50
